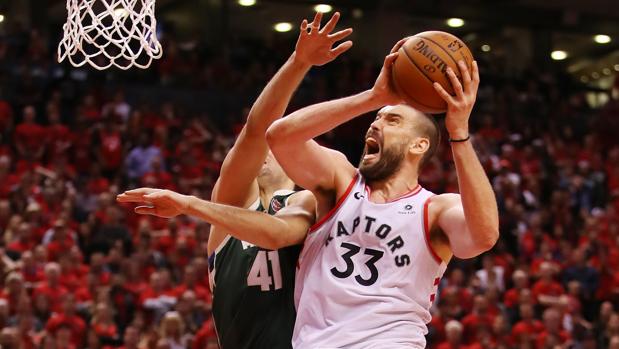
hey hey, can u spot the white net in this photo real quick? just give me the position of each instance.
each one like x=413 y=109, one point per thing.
x=105 y=33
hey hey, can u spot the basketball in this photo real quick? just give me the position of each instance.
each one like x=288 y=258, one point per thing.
x=423 y=60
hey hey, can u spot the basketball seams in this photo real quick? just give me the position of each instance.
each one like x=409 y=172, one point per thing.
x=434 y=108
x=442 y=48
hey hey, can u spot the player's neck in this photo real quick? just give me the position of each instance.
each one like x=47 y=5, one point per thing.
x=267 y=190
x=394 y=187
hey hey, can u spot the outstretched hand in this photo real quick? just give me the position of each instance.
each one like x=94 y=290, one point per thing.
x=315 y=45
x=156 y=202
x=459 y=107
x=383 y=88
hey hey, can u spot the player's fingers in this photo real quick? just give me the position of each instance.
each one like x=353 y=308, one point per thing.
x=304 y=26
x=140 y=191
x=331 y=23
x=398 y=44
x=441 y=92
x=466 y=75
x=390 y=59
x=341 y=34
x=129 y=198
x=475 y=73
x=455 y=83
x=315 y=25
x=146 y=210
x=341 y=48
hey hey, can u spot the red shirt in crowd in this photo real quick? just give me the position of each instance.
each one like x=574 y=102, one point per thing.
x=551 y=288
x=30 y=135
x=111 y=149
x=105 y=330
x=206 y=332
x=529 y=328
x=446 y=345
x=74 y=322
x=59 y=138
x=52 y=293
x=472 y=323
x=563 y=337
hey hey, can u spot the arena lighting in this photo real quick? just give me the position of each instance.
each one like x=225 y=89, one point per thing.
x=616 y=67
x=247 y=2
x=324 y=8
x=595 y=75
x=584 y=78
x=606 y=71
x=558 y=55
x=1 y=18
x=282 y=27
x=455 y=22
x=486 y=48
x=120 y=12
x=602 y=39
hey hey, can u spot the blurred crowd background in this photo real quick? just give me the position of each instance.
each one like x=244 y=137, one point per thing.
x=78 y=270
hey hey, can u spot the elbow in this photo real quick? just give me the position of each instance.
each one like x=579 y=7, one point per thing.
x=490 y=238
x=277 y=134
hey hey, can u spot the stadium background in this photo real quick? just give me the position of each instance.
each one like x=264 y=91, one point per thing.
x=80 y=271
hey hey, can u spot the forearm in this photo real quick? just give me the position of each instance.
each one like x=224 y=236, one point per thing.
x=314 y=120
x=272 y=102
x=478 y=200
x=252 y=226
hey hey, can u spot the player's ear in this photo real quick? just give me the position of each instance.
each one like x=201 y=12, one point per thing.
x=419 y=145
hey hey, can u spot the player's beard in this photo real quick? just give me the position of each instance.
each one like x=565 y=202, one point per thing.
x=390 y=161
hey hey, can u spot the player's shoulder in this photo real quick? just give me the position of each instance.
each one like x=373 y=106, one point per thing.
x=301 y=197
x=437 y=204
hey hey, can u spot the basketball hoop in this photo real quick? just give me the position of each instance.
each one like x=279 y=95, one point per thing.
x=105 y=33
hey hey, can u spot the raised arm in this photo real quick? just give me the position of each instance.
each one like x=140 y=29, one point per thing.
x=237 y=182
x=287 y=227
x=314 y=167
x=470 y=220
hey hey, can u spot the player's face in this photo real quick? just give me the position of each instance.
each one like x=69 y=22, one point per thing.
x=386 y=144
x=271 y=168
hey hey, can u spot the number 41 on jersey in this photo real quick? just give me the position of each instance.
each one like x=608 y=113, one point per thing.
x=261 y=275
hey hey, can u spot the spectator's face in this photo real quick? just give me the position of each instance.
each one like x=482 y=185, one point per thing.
x=481 y=304
x=526 y=311
x=52 y=274
x=25 y=231
x=8 y=338
x=41 y=304
x=190 y=275
x=63 y=337
x=68 y=305
x=552 y=320
x=29 y=114
x=131 y=337
x=155 y=281
x=454 y=335
x=614 y=343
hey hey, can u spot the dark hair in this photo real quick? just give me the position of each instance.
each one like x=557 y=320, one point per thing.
x=428 y=127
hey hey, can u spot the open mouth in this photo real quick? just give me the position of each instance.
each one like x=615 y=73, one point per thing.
x=372 y=148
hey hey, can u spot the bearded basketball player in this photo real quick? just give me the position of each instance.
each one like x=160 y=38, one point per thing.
x=370 y=267
x=253 y=285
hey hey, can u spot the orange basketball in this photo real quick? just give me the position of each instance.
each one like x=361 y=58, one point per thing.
x=423 y=60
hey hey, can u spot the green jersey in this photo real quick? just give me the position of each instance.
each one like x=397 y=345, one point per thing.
x=253 y=290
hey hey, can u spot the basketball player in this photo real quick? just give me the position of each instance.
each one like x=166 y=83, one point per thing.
x=370 y=267
x=253 y=286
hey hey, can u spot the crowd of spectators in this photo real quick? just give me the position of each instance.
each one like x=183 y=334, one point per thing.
x=79 y=270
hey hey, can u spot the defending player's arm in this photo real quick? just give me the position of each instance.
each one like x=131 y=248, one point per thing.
x=290 y=138
x=287 y=227
x=237 y=182
x=470 y=220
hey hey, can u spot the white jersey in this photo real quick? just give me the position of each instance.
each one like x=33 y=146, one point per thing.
x=367 y=275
